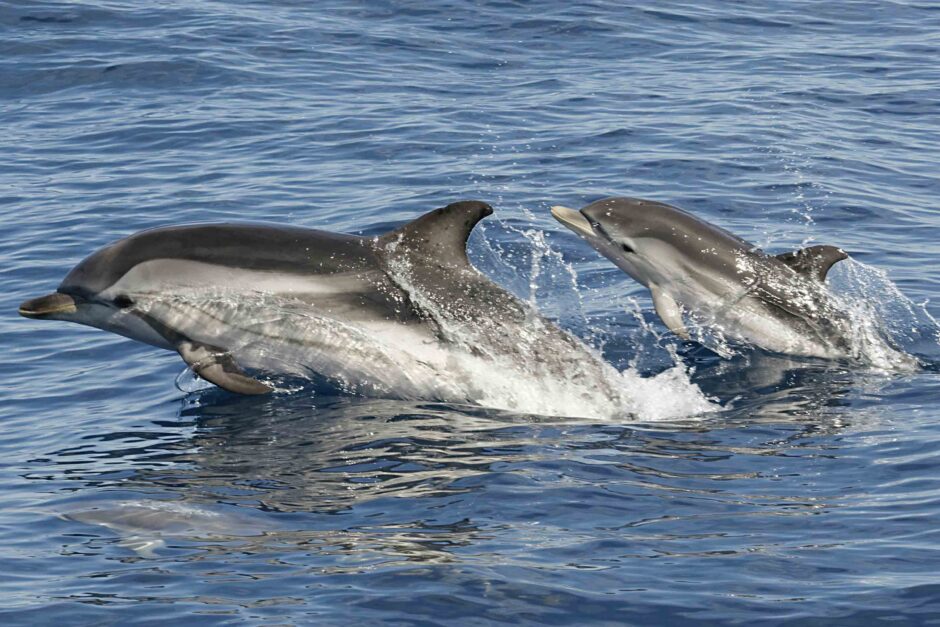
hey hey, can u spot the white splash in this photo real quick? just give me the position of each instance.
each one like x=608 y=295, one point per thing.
x=667 y=395
x=884 y=322
x=534 y=367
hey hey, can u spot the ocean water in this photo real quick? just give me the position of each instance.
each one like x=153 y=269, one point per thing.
x=808 y=493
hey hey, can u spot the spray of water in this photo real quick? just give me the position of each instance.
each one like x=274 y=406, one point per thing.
x=536 y=367
x=668 y=394
x=888 y=329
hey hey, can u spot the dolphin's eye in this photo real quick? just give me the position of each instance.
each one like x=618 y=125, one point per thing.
x=123 y=301
x=627 y=249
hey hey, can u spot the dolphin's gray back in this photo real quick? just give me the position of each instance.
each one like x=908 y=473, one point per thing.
x=246 y=246
x=706 y=244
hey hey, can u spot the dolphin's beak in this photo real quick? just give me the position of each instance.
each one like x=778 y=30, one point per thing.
x=46 y=306
x=573 y=220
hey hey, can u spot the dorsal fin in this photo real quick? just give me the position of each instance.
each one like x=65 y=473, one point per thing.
x=440 y=234
x=814 y=261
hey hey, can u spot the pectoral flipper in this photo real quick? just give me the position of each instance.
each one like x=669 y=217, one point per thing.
x=669 y=312
x=218 y=366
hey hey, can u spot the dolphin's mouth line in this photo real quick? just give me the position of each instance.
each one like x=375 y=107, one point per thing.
x=47 y=305
x=43 y=312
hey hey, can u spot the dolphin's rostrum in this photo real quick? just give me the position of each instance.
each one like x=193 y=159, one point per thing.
x=780 y=303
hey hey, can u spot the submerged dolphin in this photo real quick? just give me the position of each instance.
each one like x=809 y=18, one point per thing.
x=145 y=525
x=780 y=303
x=401 y=315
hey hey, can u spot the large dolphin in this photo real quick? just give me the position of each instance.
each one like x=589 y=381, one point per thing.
x=780 y=303
x=400 y=315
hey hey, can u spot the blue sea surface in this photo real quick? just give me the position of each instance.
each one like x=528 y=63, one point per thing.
x=812 y=496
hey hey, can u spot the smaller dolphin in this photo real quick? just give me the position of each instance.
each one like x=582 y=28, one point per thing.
x=779 y=303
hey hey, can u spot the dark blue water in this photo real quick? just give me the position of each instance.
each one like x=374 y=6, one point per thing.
x=812 y=496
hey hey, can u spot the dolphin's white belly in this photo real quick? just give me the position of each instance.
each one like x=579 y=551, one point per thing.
x=749 y=320
x=389 y=358
x=286 y=335
x=289 y=324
